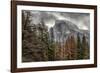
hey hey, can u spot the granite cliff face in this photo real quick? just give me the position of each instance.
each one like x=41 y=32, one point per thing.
x=62 y=29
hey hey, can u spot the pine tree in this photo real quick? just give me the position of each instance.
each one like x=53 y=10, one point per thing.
x=52 y=46
x=67 y=49
x=85 y=48
x=79 y=48
x=43 y=38
x=73 y=48
x=26 y=45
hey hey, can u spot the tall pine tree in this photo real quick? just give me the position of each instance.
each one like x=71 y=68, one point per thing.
x=85 y=48
x=79 y=48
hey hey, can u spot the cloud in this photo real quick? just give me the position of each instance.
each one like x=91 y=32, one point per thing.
x=82 y=20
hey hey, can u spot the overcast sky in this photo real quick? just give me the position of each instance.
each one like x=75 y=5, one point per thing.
x=82 y=20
